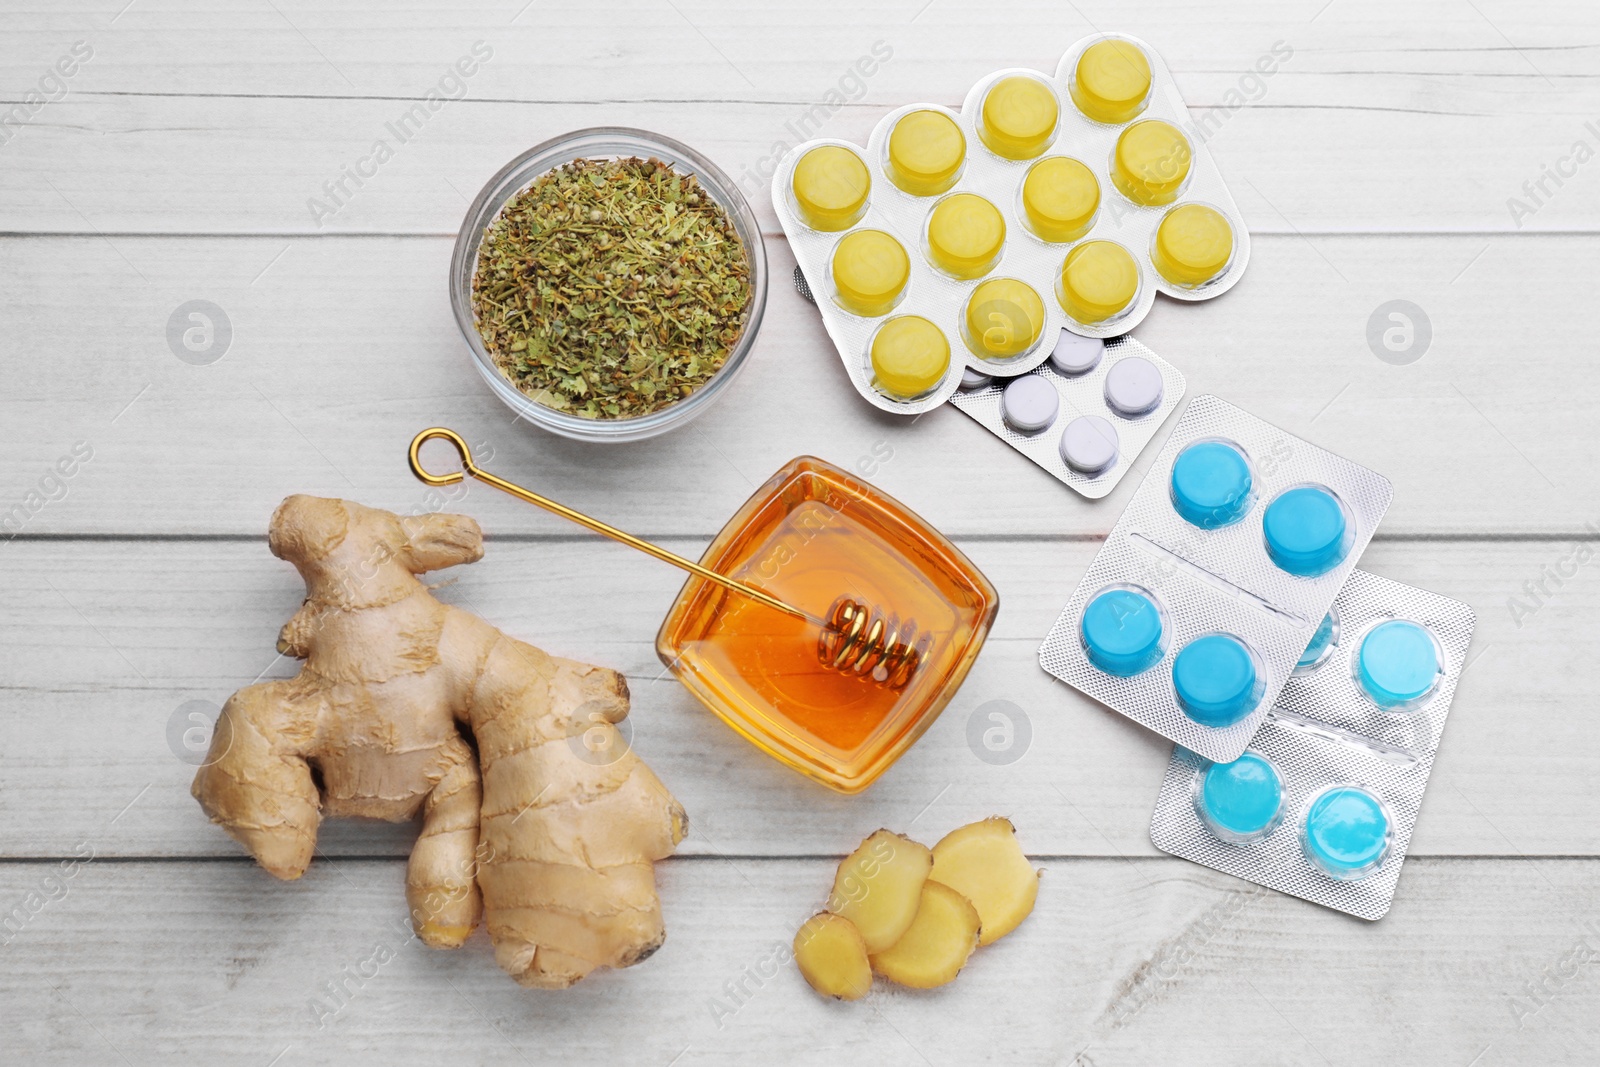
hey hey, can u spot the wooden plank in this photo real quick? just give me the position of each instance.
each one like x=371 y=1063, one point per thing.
x=612 y=48
x=1303 y=159
x=291 y=97
x=342 y=349
x=1122 y=962
x=105 y=645
x=197 y=124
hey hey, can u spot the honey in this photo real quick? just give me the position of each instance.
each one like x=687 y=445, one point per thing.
x=811 y=535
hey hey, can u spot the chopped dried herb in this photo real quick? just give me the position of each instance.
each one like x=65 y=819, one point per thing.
x=611 y=288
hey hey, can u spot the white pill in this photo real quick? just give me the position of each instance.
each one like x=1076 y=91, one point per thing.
x=1029 y=404
x=973 y=379
x=1075 y=355
x=1089 y=444
x=1133 y=387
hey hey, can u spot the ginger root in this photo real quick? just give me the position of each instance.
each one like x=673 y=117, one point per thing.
x=936 y=945
x=545 y=826
x=832 y=957
x=984 y=863
x=918 y=914
x=878 y=887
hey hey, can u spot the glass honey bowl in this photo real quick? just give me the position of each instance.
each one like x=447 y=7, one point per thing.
x=811 y=535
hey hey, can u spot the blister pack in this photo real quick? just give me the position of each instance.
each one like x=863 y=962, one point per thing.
x=1084 y=414
x=1322 y=804
x=1196 y=610
x=972 y=239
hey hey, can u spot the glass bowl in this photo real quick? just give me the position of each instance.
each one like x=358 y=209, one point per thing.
x=812 y=534
x=605 y=142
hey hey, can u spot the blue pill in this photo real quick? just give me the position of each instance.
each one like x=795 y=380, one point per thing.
x=1211 y=484
x=1321 y=641
x=1346 y=832
x=1122 y=632
x=1398 y=663
x=1241 y=801
x=1306 y=530
x=1216 y=680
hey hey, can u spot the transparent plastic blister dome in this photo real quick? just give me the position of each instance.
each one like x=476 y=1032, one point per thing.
x=1323 y=802
x=1045 y=204
x=1106 y=400
x=1245 y=585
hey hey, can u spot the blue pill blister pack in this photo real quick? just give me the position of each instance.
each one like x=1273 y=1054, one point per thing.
x=1322 y=803
x=1197 y=609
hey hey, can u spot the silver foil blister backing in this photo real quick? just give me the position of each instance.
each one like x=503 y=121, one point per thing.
x=1215 y=580
x=1082 y=394
x=1326 y=732
x=941 y=299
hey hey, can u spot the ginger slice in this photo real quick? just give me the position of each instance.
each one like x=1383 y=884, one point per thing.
x=984 y=863
x=936 y=945
x=879 y=887
x=832 y=957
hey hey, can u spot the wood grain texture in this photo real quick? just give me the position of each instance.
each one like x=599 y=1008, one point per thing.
x=1123 y=962
x=344 y=348
x=1379 y=120
x=104 y=643
x=1377 y=163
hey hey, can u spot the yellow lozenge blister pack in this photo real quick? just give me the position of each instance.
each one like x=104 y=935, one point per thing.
x=1046 y=206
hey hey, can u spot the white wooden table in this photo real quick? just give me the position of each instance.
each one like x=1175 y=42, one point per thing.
x=1376 y=164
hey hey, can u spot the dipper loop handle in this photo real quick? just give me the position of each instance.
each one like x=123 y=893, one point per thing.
x=606 y=529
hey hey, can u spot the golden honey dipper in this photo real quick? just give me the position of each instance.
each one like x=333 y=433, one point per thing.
x=852 y=640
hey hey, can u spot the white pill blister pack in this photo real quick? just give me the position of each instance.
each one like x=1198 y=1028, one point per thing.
x=1084 y=414
x=1196 y=610
x=1323 y=802
x=999 y=226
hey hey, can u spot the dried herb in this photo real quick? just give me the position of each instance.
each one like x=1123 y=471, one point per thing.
x=611 y=288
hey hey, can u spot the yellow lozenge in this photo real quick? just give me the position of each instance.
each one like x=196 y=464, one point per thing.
x=965 y=235
x=1019 y=117
x=831 y=185
x=1112 y=81
x=1098 y=281
x=926 y=152
x=870 y=271
x=1151 y=162
x=910 y=356
x=1193 y=245
x=1004 y=318
x=1060 y=198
